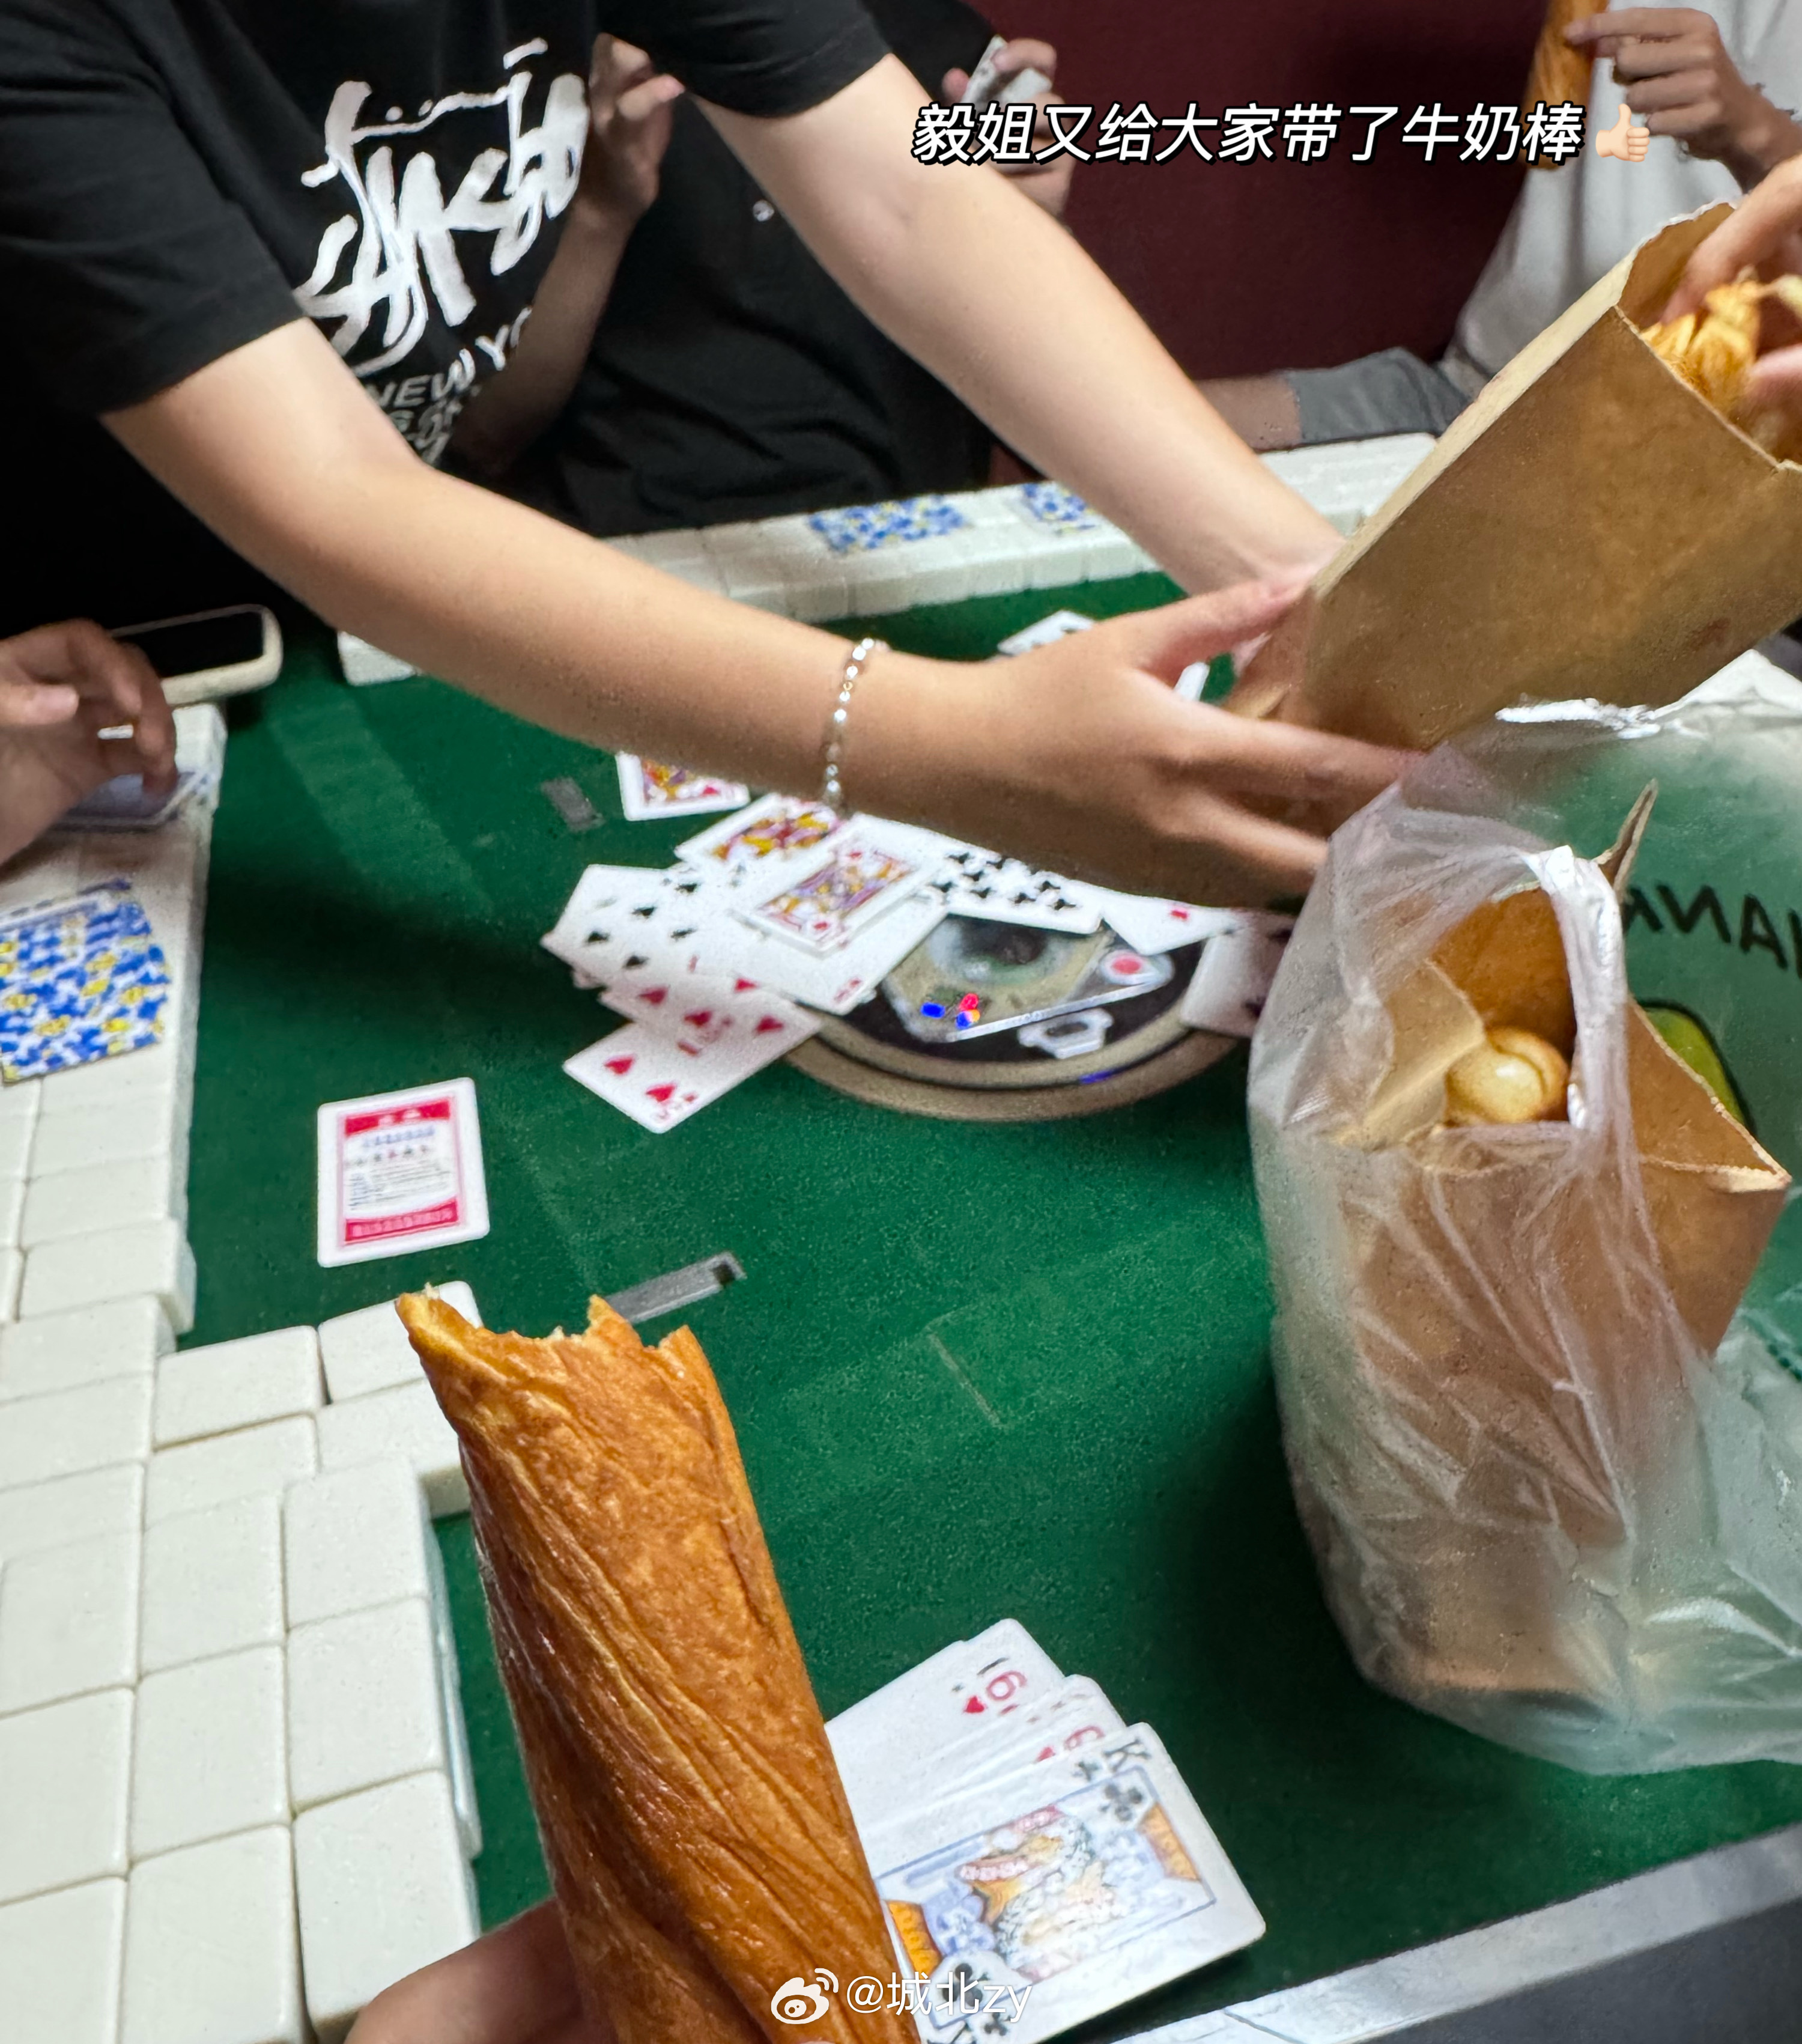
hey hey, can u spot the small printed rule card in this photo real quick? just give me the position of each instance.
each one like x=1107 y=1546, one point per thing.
x=399 y=1171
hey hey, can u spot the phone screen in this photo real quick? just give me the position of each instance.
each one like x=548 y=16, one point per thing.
x=194 y=646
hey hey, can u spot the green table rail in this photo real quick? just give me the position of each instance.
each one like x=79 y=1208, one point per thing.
x=976 y=1371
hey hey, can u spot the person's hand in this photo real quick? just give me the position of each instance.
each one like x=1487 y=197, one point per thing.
x=1681 y=82
x=1763 y=233
x=1049 y=186
x=629 y=120
x=515 y=1986
x=60 y=687
x=1079 y=757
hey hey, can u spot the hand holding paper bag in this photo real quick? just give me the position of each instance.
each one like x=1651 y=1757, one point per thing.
x=1590 y=527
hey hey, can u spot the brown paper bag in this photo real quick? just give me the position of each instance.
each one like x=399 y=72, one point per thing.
x=1589 y=527
x=1579 y=1409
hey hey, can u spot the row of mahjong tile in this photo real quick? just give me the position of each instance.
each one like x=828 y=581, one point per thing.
x=100 y=1385
x=941 y=549
x=351 y=1727
x=100 y=1149
x=365 y=1694
x=266 y=1697
x=207 y=1944
x=876 y=558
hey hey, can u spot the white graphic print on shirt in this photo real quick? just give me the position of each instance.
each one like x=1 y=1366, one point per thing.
x=383 y=271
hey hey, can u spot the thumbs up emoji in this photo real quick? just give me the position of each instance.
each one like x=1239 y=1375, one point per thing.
x=1624 y=140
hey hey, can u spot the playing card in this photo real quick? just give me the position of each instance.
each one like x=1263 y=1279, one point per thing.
x=704 y=1006
x=836 y=980
x=1029 y=1905
x=851 y=882
x=881 y=1743
x=627 y=919
x=661 y=1077
x=1155 y=927
x=80 y=980
x=122 y=805
x=1233 y=981
x=601 y=890
x=974 y=882
x=648 y=789
x=1047 y=631
x=761 y=839
x=981 y=87
x=1074 y=1714
x=399 y=1171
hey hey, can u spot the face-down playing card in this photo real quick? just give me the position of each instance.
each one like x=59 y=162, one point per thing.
x=80 y=980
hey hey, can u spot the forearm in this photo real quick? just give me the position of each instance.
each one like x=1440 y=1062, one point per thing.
x=511 y=409
x=533 y=616
x=1033 y=337
x=1768 y=138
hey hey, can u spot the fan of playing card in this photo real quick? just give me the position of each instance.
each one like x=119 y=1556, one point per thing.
x=1039 y=1860
x=782 y=908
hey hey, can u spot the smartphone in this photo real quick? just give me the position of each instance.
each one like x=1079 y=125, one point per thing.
x=210 y=653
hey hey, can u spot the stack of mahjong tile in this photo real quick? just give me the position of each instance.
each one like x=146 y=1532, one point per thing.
x=100 y=941
x=872 y=559
x=237 y=1792
x=776 y=914
x=1040 y=1861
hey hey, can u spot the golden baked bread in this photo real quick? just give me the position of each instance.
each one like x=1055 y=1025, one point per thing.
x=701 y=1846
x=1559 y=73
x=1512 y=1076
x=1714 y=350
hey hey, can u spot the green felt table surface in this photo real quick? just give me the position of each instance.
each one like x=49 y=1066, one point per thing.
x=976 y=1371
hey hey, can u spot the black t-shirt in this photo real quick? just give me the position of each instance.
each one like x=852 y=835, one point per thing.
x=178 y=177
x=731 y=377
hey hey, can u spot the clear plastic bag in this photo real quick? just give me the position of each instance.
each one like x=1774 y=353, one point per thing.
x=1541 y=1507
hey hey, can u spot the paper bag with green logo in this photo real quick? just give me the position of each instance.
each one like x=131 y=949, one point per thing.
x=1523 y=1468
x=1589 y=527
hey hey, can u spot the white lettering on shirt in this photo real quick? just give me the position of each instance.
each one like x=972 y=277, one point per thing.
x=383 y=271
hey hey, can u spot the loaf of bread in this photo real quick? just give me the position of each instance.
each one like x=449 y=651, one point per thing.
x=1559 y=73
x=701 y=1847
x=1715 y=348
x=1512 y=1076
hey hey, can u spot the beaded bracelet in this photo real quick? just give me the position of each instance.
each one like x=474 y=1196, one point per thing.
x=832 y=787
